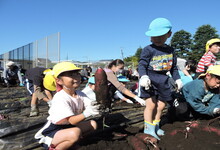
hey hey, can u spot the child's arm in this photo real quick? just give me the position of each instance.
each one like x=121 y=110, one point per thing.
x=91 y=110
x=76 y=119
x=144 y=61
x=208 y=61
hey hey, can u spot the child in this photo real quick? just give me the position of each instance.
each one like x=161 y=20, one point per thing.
x=34 y=84
x=65 y=124
x=155 y=61
x=89 y=89
x=188 y=73
x=118 y=95
x=209 y=58
x=202 y=94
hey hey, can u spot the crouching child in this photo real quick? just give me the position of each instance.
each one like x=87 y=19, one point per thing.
x=203 y=95
x=66 y=121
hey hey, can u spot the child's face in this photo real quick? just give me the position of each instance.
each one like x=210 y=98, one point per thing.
x=160 y=40
x=212 y=82
x=70 y=79
x=215 y=48
x=92 y=86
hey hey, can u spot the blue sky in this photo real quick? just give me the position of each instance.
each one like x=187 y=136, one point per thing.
x=98 y=29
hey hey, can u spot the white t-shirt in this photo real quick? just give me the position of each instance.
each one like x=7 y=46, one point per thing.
x=64 y=106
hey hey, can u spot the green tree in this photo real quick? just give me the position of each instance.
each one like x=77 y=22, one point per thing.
x=202 y=35
x=138 y=53
x=134 y=59
x=182 y=43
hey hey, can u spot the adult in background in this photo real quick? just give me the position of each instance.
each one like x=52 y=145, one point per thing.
x=11 y=74
x=114 y=84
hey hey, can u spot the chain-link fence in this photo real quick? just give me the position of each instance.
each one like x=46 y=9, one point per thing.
x=40 y=53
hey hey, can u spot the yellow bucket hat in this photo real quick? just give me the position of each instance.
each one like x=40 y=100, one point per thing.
x=212 y=70
x=50 y=77
x=210 y=42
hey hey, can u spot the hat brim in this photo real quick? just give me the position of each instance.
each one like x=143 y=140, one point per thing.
x=201 y=75
x=77 y=69
x=158 y=32
x=124 y=80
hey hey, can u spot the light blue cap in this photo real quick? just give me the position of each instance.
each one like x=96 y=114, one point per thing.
x=158 y=27
x=91 y=80
x=122 y=79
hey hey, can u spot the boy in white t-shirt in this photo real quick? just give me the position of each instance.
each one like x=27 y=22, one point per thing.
x=67 y=113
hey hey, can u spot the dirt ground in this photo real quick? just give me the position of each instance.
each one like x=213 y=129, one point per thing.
x=175 y=138
x=116 y=138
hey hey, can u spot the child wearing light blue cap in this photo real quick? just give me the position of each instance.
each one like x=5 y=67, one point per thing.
x=89 y=89
x=155 y=61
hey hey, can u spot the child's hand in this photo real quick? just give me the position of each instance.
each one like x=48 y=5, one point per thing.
x=216 y=111
x=179 y=84
x=145 y=82
x=129 y=101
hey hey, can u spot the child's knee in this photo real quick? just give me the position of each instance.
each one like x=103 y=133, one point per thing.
x=74 y=134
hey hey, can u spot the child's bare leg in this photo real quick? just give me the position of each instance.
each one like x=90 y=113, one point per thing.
x=149 y=109
x=49 y=95
x=160 y=106
x=34 y=99
x=149 y=115
x=65 y=138
x=87 y=127
x=34 y=108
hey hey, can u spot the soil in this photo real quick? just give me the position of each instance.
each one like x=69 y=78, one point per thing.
x=115 y=138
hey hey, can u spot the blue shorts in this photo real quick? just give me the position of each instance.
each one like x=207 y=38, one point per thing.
x=160 y=88
x=51 y=130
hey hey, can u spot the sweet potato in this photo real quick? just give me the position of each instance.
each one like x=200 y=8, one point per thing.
x=136 y=143
x=102 y=89
x=146 y=138
x=212 y=129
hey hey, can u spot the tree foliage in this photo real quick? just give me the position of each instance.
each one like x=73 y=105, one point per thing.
x=202 y=35
x=182 y=43
x=134 y=59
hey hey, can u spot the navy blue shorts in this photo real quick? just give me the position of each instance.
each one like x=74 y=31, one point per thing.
x=52 y=129
x=160 y=88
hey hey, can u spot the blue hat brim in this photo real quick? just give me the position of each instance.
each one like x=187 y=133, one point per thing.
x=123 y=80
x=91 y=80
x=158 y=32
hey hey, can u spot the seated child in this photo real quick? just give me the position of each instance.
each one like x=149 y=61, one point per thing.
x=203 y=94
x=89 y=89
x=66 y=125
x=188 y=73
